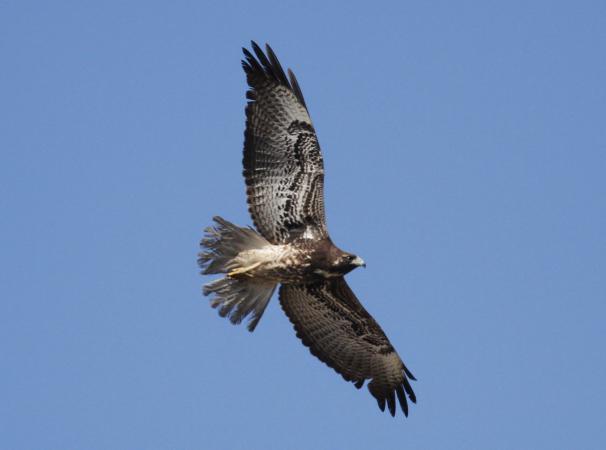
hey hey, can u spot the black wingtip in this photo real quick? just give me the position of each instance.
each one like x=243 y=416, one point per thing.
x=391 y=403
x=252 y=325
x=402 y=399
x=408 y=373
x=381 y=402
x=296 y=87
x=262 y=66
x=277 y=67
x=409 y=391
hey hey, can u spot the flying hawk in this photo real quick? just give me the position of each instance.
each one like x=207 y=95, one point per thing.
x=284 y=175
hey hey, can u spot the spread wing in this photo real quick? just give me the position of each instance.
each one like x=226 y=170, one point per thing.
x=330 y=320
x=283 y=165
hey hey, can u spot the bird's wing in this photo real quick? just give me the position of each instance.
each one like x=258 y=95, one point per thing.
x=330 y=320
x=283 y=164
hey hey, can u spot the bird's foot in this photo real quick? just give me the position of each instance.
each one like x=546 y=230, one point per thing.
x=243 y=271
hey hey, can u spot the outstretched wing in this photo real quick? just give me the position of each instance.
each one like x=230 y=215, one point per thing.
x=283 y=165
x=330 y=320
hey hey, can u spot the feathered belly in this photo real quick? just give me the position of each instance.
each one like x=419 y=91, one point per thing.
x=277 y=263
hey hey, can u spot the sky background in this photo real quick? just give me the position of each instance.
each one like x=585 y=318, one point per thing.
x=465 y=157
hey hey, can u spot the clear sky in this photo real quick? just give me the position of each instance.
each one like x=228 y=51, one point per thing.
x=465 y=156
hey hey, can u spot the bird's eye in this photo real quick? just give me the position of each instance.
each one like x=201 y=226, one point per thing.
x=350 y=258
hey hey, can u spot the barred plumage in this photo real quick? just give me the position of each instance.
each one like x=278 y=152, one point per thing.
x=284 y=175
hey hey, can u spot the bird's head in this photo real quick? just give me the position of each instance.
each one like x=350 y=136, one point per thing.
x=333 y=262
x=347 y=262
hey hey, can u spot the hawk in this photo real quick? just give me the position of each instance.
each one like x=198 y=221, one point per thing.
x=291 y=247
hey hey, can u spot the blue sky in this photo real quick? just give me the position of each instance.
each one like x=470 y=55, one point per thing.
x=465 y=152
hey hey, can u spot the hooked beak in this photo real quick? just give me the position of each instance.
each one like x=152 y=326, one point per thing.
x=358 y=262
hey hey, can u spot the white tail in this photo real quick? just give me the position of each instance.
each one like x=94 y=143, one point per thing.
x=237 y=297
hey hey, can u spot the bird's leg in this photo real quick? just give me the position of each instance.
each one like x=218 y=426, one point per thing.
x=243 y=270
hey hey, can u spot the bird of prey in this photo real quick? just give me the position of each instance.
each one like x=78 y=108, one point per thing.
x=291 y=247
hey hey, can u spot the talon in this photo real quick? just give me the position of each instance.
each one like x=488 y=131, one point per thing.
x=235 y=272
x=243 y=270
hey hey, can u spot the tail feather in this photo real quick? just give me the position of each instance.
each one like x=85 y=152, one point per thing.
x=222 y=244
x=235 y=298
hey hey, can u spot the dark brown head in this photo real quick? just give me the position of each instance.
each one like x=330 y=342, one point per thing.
x=348 y=262
x=334 y=262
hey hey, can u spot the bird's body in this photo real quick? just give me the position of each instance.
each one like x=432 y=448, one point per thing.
x=277 y=263
x=284 y=174
x=299 y=262
x=302 y=260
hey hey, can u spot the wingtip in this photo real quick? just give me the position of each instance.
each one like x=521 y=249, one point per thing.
x=391 y=403
x=255 y=46
x=409 y=390
x=381 y=402
x=266 y=64
x=408 y=373
x=402 y=399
